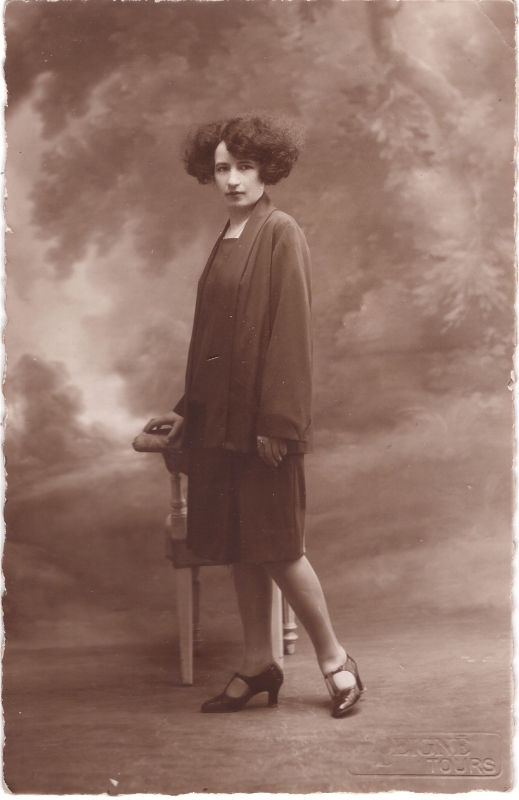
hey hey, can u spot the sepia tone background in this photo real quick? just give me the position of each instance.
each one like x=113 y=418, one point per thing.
x=405 y=194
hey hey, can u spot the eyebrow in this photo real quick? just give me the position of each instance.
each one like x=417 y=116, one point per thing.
x=240 y=161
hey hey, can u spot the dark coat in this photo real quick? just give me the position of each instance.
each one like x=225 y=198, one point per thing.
x=261 y=383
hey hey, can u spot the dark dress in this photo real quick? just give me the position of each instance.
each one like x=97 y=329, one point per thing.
x=239 y=508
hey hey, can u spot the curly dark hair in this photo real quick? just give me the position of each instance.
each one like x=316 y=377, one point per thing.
x=273 y=140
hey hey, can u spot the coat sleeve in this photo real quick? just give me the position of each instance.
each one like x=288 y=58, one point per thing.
x=286 y=389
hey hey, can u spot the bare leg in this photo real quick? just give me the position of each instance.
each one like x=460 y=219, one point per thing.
x=254 y=593
x=301 y=587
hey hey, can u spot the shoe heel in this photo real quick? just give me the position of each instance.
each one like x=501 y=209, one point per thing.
x=273 y=698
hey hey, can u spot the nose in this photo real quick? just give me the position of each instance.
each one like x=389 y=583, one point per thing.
x=233 y=178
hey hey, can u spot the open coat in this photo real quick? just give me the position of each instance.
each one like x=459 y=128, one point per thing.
x=260 y=383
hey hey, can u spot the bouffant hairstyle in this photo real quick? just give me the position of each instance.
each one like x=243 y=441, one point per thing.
x=273 y=140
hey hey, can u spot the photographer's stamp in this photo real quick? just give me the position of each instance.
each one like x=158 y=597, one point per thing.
x=454 y=755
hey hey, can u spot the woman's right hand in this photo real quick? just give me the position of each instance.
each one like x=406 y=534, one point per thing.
x=271 y=449
x=170 y=419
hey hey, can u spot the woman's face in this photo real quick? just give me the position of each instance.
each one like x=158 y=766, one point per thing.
x=237 y=179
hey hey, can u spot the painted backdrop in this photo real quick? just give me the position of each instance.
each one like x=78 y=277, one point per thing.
x=405 y=193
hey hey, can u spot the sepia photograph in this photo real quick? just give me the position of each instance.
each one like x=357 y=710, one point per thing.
x=259 y=420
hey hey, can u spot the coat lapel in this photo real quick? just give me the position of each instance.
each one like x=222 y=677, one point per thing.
x=205 y=273
x=198 y=303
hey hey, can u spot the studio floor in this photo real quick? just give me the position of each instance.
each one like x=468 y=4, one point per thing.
x=115 y=719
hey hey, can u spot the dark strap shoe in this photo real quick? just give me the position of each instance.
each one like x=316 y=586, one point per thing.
x=270 y=680
x=344 y=699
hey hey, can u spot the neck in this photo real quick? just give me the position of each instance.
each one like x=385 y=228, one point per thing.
x=237 y=216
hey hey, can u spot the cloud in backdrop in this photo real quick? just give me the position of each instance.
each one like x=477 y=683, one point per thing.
x=405 y=193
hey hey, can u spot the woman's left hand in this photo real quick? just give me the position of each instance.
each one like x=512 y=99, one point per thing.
x=271 y=449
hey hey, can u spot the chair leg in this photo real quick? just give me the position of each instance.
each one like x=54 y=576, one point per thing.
x=290 y=636
x=277 y=625
x=184 y=584
x=197 y=631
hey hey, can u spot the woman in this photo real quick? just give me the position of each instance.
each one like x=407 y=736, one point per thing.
x=245 y=415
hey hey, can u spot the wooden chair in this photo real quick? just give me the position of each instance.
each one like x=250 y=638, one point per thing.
x=187 y=572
